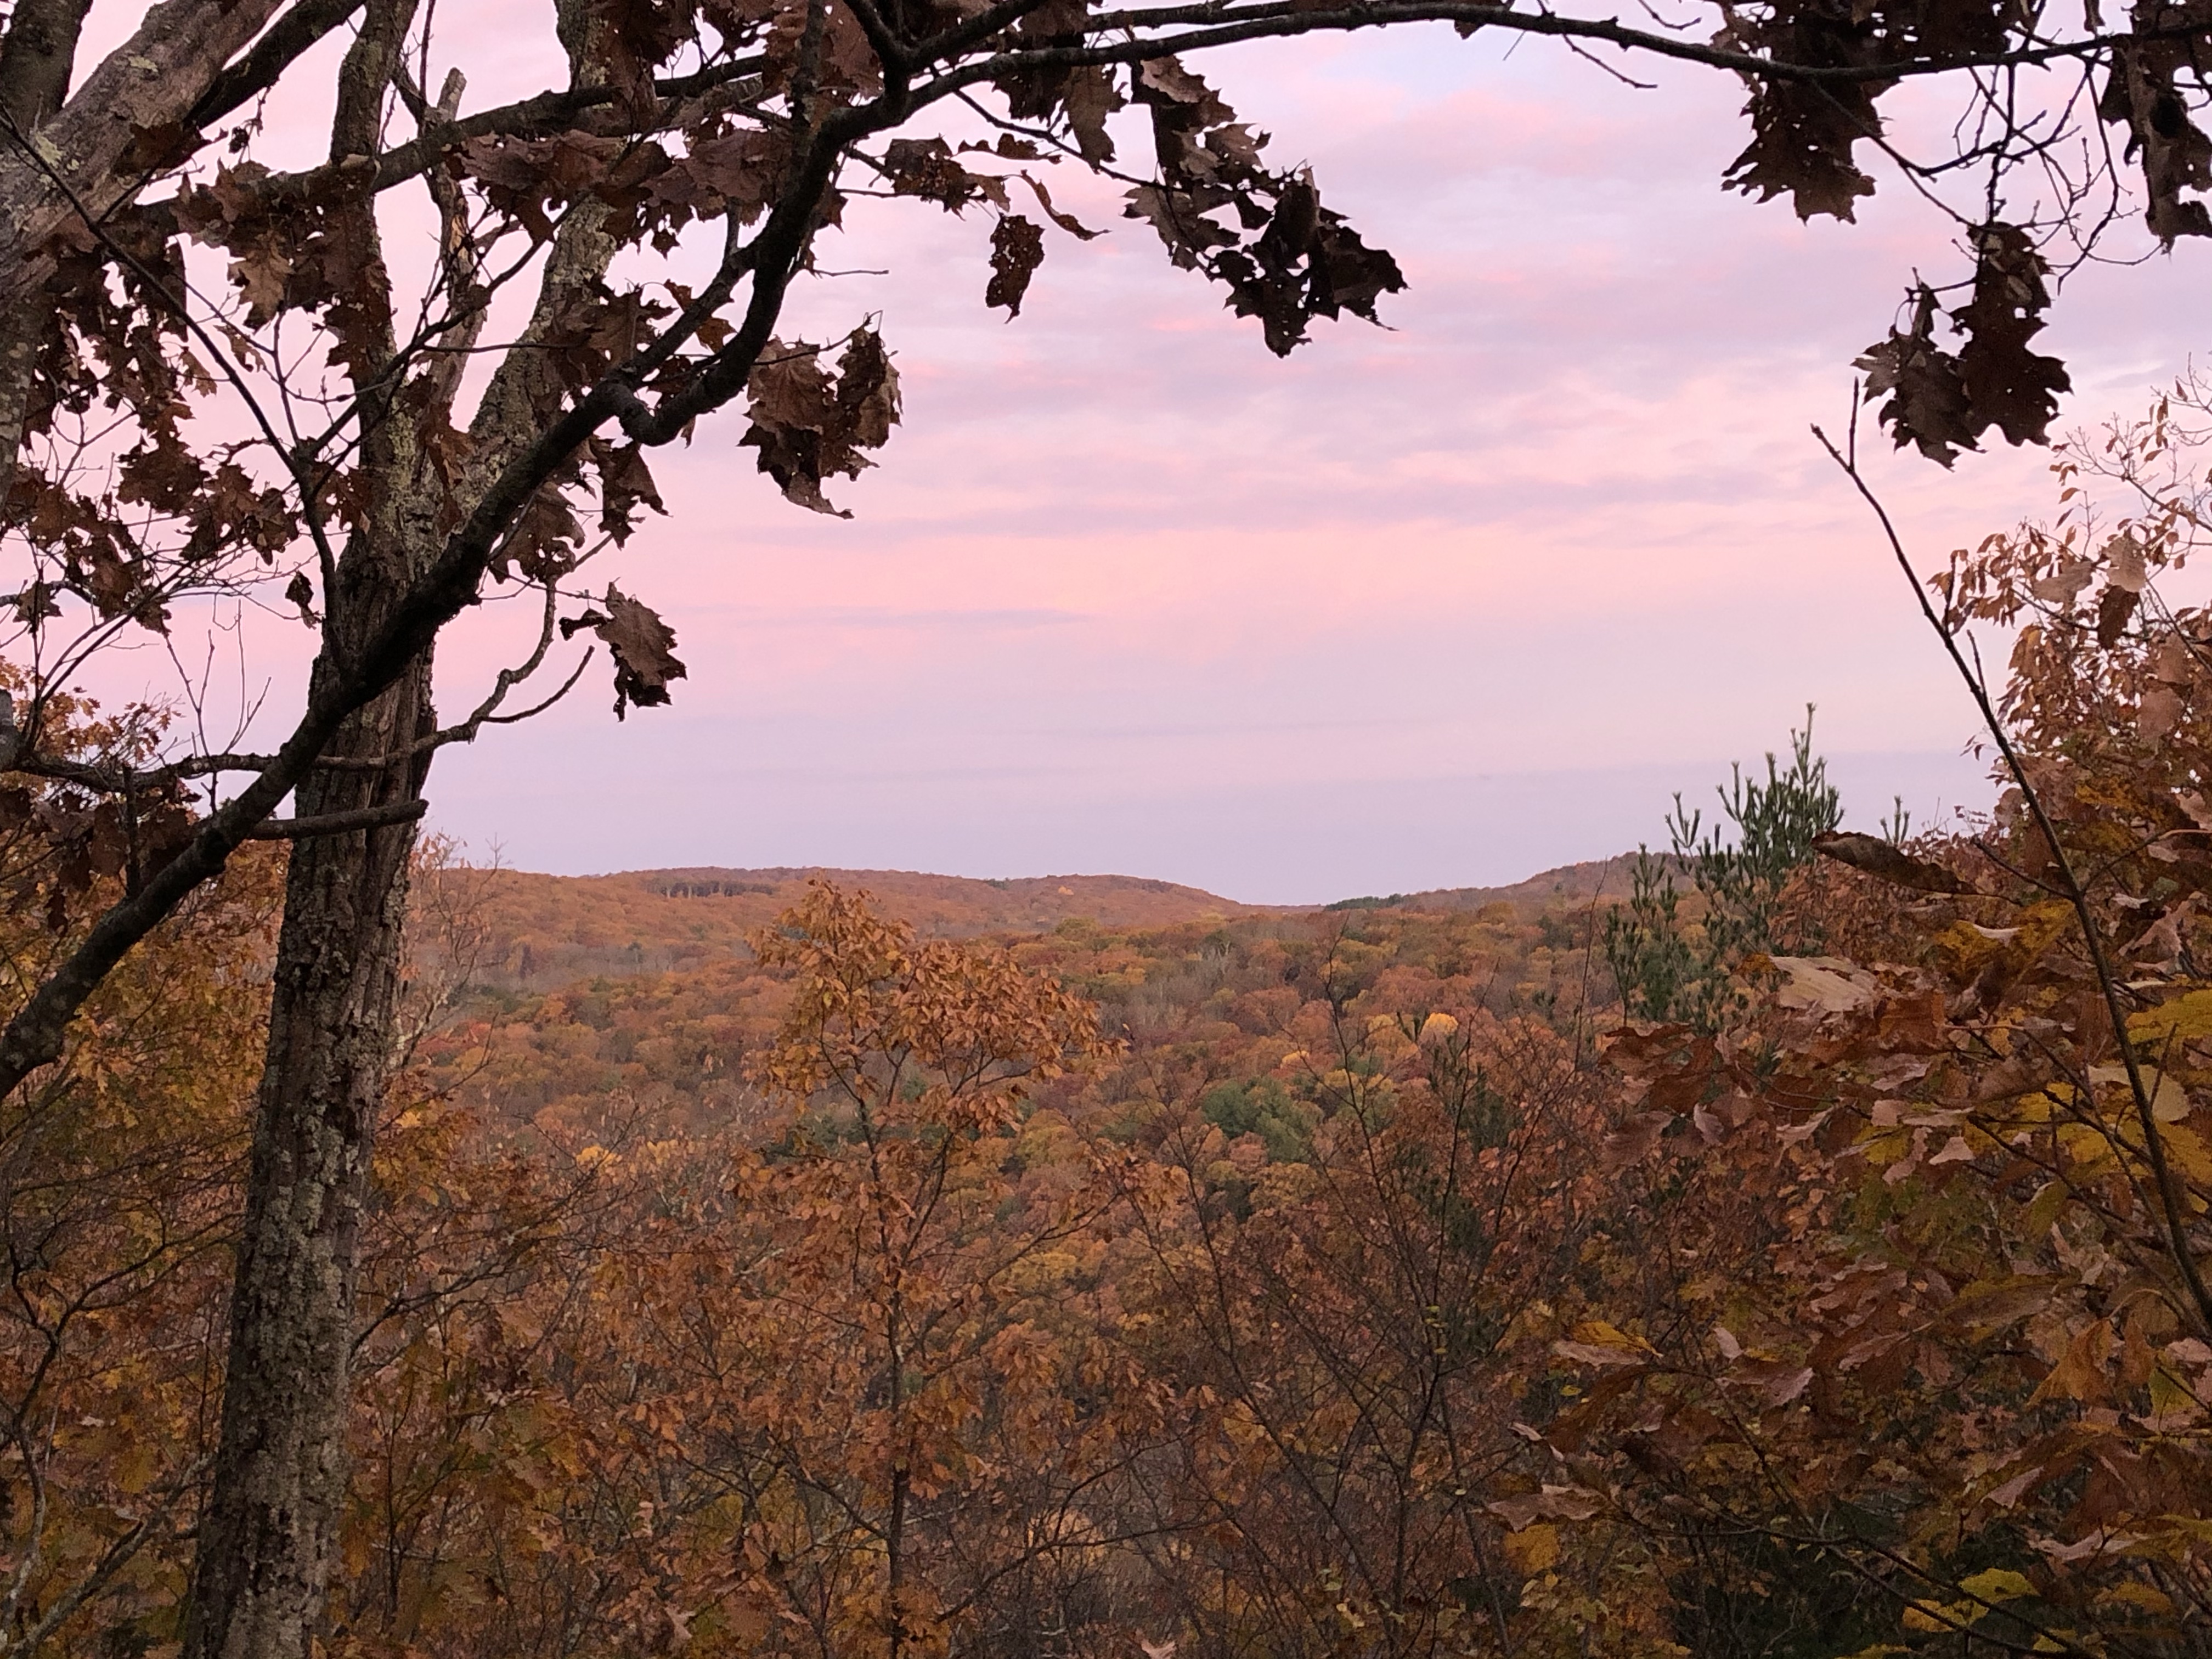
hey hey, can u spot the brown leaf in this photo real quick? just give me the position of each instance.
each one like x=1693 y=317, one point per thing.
x=1827 y=984
x=809 y=426
x=926 y=167
x=1888 y=863
x=2173 y=661
x=2158 y=714
x=2125 y=565
x=1090 y=96
x=1551 y=1504
x=2177 y=155
x=2115 y=607
x=2080 y=1372
x=1927 y=404
x=301 y=592
x=2008 y=386
x=625 y=484
x=1066 y=221
x=1017 y=249
x=1633 y=1141
x=640 y=644
x=1801 y=140
x=2060 y=586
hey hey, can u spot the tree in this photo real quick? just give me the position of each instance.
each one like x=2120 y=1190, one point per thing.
x=1667 y=967
x=118 y=1205
x=169 y=440
x=1350 y=1318
x=893 y=1353
x=1947 y=1338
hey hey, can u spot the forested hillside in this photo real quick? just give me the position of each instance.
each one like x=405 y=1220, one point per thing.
x=538 y=932
x=678 y=1039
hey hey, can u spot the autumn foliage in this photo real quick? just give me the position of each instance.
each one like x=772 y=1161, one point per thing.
x=1358 y=1283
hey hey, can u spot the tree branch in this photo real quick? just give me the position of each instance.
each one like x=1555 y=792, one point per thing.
x=290 y=35
x=338 y=823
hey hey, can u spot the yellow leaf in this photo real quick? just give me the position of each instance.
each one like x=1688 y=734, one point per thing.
x=1533 y=1549
x=2168 y=1104
x=1998 y=1584
x=2169 y=1393
x=2043 y=1209
x=1922 y=1616
x=2186 y=1017
x=1602 y=1334
x=2148 y=1599
x=2080 y=1375
x=2186 y=1151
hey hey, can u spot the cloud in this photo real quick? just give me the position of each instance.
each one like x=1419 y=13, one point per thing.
x=1127 y=592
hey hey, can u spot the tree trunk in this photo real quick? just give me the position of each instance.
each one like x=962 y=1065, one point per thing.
x=268 y=1541
x=270 y=1533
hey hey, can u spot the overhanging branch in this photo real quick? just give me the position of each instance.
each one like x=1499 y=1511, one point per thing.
x=338 y=823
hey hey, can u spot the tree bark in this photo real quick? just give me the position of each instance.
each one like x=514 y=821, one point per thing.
x=270 y=1536
x=271 y=1532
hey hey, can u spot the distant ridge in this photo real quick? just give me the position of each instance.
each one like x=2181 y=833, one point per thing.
x=543 y=929
x=1598 y=878
x=540 y=931
x=958 y=904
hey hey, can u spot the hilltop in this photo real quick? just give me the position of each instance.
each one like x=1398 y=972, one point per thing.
x=1547 y=890
x=540 y=930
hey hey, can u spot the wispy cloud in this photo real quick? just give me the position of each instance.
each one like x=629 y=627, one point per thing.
x=1562 y=516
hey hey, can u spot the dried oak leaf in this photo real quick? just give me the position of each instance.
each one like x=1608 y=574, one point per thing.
x=1882 y=860
x=1927 y=404
x=1083 y=97
x=2142 y=96
x=625 y=484
x=2008 y=386
x=301 y=592
x=544 y=538
x=1801 y=145
x=926 y=167
x=641 y=645
x=33 y=604
x=1087 y=97
x=808 y=425
x=1944 y=402
x=739 y=168
x=1017 y=249
x=1803 y=133
x=1066 y=221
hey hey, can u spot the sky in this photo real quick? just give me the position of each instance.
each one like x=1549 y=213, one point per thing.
x=1440 y=604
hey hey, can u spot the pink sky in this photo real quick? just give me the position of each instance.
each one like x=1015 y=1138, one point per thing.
x=1435 y=605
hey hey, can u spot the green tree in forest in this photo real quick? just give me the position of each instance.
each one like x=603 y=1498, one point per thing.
x=1670 y=967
